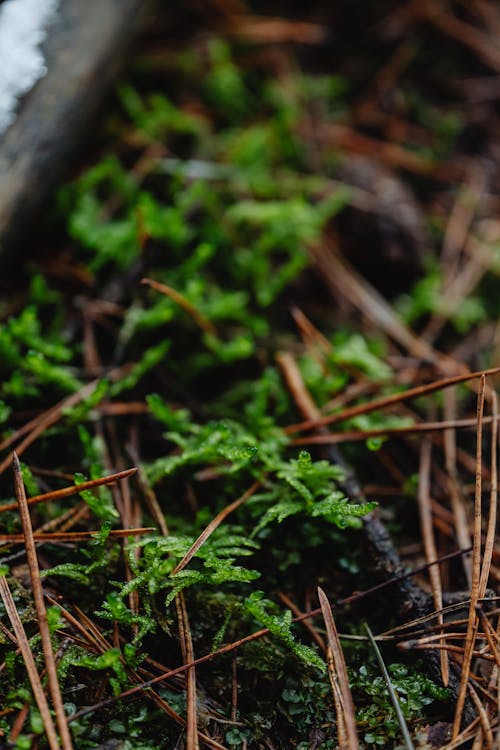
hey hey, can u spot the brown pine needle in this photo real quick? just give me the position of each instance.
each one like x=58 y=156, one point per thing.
x=148 y=492
x=414 y=641
x=41 y=423
x=419 y=645
x=206 y=325
x=487 y=738
x=341 y=278
x=73 y=536
x=491 y=635
x=95 y=642
x=457 y=500
x=309 y=627
x=343 y=742
x=43 y=626
x=188 y=656
x=424 y=502
x=476 y=568
x=394 y=398
x=465 y=736
x=492 y=516
x=48 y=417
x=296 y=386
x=353 y=435
x=73 y=489
x=29 y=662
x=348 y=713
x=214 y=523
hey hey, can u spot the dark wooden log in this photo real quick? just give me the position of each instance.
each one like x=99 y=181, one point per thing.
x=413 y=601
x=83 y=52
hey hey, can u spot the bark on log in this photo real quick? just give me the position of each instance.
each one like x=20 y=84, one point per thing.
x=415 y=602
x=83 y=52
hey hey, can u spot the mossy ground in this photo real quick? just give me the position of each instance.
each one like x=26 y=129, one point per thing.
x=211 y=176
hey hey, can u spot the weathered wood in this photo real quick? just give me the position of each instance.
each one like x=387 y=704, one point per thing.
x=83 y=52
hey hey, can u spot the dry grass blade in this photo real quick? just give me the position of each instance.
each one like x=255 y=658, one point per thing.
x=188 y=656
x=206 y=325
x=212 y=526
x=394 y=698
x=348 y=713
x=394 y=398
x=43 y=626
x=73 y=489
x=424 y=502
x=476 y=568
x=29 y=662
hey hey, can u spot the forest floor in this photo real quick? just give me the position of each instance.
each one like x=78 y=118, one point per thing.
x=249 y=364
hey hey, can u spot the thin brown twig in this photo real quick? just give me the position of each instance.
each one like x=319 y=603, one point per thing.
x=348 y=712
x=394 y=398
x=296 y=386
x=72 y=536
x=43 y=422
x=29 y=662
x=43 y=626
x=487 y=742
x=463 y=32
x=416 y=646
x=187 y=657
x=147 y=491
x=353 y=435
x=492 y=515
x=297 y=612
x=96 y=642
x=74 y=489
x=456 y=497
x=491 y=635
x=48 y=417
x=426 y=618
x=234 y=689
x=343 y=280
x=425 y=638
x=206 y=325
x=430 y=544
x=476 y=568
x=342 y=738
x=18 y=723
x=214 y=523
